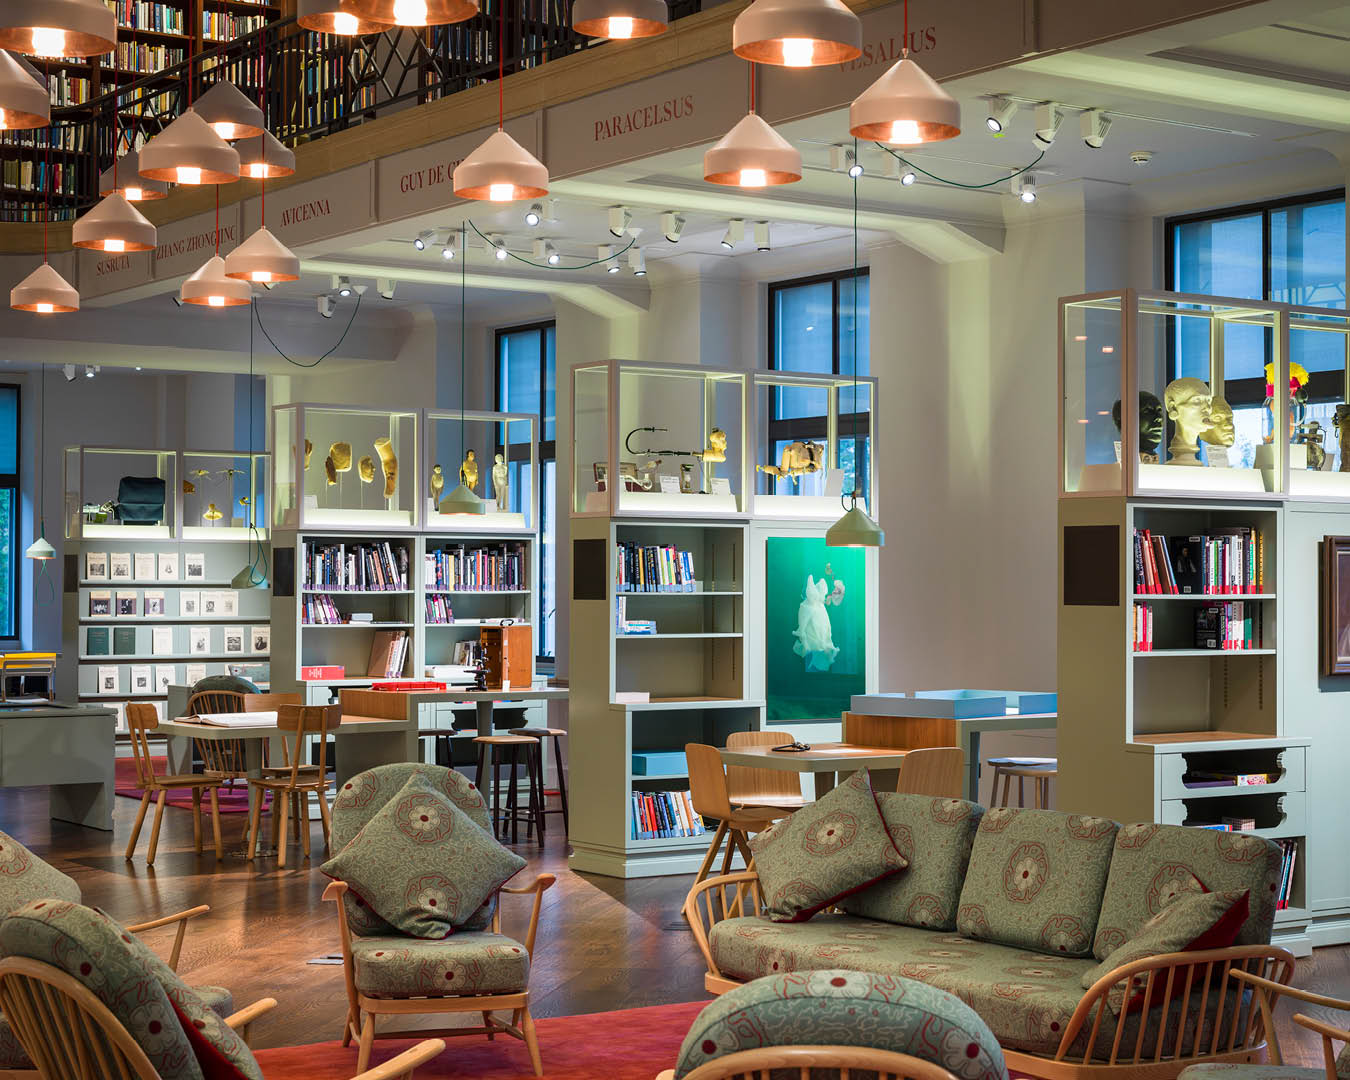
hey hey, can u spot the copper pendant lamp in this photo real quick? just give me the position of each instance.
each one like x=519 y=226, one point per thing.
x=905 y=106
x=336 y=17
x=752 y=154
x=265 y=157
x=188 y=151
x=620 y=19
x=24 y=102
x=797 y=33
x=114 y=225
x=125 y=176
x=230 y=114
x=209 y=287
x=414 y=12
x=44 y=292
x=56 y=28
x=262 y=258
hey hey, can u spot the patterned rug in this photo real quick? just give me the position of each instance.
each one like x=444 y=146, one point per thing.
x=230 y=801
x=634 y=1044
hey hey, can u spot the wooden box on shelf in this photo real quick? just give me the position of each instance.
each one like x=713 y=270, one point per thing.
x=508 y=656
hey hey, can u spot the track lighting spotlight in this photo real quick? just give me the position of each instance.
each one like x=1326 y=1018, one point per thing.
x=386 y=287
x=544 y=251
x=637 y=262
x=1001 y=112
x=90 y=370
x=420 y=241
x=735 y=233
x=534 y=215
x=672 y=226
x=69 y=372
x=552 y=258
x=343 y=284
x=177 y=300
x=1048 y=119
x=907 y=178
x=326 y=305
x=620 y=217
x=762 y=236
x=604 y=255
x=1024 y=187
x=499 y=251
x=844 y=159
x=1094 y=126
x=448 y=251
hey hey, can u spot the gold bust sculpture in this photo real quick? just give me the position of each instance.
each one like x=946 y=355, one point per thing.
x=1188 y=406
x=468 y=472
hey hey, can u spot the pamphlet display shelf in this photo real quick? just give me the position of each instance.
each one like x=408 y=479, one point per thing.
x=659 y=441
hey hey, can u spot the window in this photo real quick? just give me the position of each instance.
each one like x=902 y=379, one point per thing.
x=525 y=384
x=9 y=511
x=1291 y=251
x=813 y=328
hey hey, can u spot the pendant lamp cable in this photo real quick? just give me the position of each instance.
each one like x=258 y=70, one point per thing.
x=296 y=363
x=47 y=185
x=1002 y=179
x=501 y=66
x=217 y=221
x=904 y=42
x=853 y=336
x=463 y=314
x=752 y=86
x=545 y=266
x=257 y=566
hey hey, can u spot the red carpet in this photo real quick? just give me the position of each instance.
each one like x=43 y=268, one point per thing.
x=634 y=1044
x=230 y=802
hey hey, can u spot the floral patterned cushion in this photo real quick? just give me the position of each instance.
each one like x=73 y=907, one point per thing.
x=824 y=852
x=362 y=797
x=1035 y=880
x=1026 y=999
x=1152 y=863
x=1220 y=1070
x=934 y=836
x=1192 y=921
x=472 y=963
x=12 y=1053
x=25 y=877
x=845 y=1008
x=216 y=998
x=422 y=864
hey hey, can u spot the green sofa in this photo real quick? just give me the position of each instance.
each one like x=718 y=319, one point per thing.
x=1010 y=910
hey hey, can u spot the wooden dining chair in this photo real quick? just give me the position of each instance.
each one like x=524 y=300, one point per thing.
x=141 y=717
x=708 y=792
x=938 y=771
x=292 y=787
x=223 y=759
x=752 y=788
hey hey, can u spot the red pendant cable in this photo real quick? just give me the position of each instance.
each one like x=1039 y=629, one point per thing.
x=47 y=214
x=904 y=48
x=752 y=86
x=262 y=139
x=501 y=67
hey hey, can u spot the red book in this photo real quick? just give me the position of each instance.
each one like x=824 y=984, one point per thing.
x=322 y=672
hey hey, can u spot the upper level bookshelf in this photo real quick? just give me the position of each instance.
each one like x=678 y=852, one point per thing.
x=1168 y=394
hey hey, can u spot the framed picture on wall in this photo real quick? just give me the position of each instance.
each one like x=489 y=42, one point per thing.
x=1335 y=605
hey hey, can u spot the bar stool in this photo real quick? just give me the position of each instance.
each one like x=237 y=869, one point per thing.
x=1040 y=770
x=494 y=751
x=557 y=735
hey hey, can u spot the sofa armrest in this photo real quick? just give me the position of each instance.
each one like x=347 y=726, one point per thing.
x=1170 y=981
x=181 y=918
x=707 y=904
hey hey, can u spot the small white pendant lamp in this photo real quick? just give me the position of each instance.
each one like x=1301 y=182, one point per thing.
x=905 y=106
x=262 y=258
x=58 y=28
x=265 y=157
x=39 y=549
x=24 y=102
x=125 y=176
x=797 y=33
x=114 y=225
x=462 y=501
x=855 y=529
x=415 y=12
x=189 y=151
x=209 y=287
x=230 y=114
x=752 y=154
x=620 y=19
x=44 y=292
x=336 y=17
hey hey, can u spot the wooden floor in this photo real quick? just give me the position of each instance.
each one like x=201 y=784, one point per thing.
x=603 y=944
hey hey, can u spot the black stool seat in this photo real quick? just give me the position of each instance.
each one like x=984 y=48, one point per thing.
x=557 y=735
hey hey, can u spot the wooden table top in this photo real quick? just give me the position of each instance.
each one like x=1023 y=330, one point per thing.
x=822 y=757
x=351 y=725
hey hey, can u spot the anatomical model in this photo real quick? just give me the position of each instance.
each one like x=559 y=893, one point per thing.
x=797 y=459
x=389 y=463
x=501 y=482
x=468 y=472
x=437 y=483
x=366 y=468
x=1188 y=403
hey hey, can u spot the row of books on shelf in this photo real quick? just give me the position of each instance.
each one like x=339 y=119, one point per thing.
x=388 y=651
x=139 y=15
x=1232 y=626
x=664 y=815
x=32 y=176
x=71 y=137
x=66 y=89
x=320 y=611
x=372 y=567
x=145 y=58
x=1221 y=562
x=653 y=568
x=221 y=26
x=477 y=569
x=17 y=210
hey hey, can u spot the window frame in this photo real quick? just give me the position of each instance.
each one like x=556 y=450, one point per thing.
x=13 y=482
x=547 y=448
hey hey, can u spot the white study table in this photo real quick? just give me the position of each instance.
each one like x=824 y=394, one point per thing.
x=824 y=761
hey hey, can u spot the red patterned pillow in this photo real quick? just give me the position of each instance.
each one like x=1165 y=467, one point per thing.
x=824 y=852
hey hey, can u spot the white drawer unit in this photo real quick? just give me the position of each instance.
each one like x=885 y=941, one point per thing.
x=1181 y=775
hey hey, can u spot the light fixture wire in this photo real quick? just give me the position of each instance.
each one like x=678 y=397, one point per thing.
x=544 y=265
x=42 y=574
x=257 y=566
x=852 y=502
x=463 y=314
x=326 y=355
x=1002 y=179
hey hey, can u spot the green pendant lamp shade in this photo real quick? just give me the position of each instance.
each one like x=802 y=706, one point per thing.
x=40 y=550
x=462 y=501
x=250 y=577
x=855 y=529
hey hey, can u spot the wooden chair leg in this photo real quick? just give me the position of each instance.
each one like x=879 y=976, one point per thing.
x=512 y=795
x=743 y=843
x=731 y=851
x=367 y=1043
x=324 y=819
x=255 y=824
x=531 y=1042
x=302 y=816
x=537 y=790
x=351 y=1024
x=562 y=781
x=154 y=831
x=215 y=825
x=487 y=1023
x=140 y=820
x=282 y=803
x=197 y=819
x=711 y=853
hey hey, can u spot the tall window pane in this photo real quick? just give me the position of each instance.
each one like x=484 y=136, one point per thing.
x=1307 y=254
x=1220 y=257
x=803 y=338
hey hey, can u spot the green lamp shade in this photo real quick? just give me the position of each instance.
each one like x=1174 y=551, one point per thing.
x=855 y=529
x=249 y=578
x=462 y=501
x=40 y=549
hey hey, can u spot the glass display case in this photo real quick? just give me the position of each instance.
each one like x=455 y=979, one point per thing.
x=497 y=457
x=810 y=434
x=1319 y=352
x=341 y=466
x=656 y=440
x=223 y=493
x=114 y=492
x=1168 y=394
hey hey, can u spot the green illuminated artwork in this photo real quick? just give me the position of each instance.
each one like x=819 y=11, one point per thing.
x=815 y=627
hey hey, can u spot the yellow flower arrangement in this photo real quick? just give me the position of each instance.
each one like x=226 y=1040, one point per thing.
x=1298 y=376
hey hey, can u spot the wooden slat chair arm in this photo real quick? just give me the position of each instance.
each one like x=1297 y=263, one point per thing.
x=707 y=904
x=241 y=1022
x=181 y=918
x=1330 y=1033
x=1279 y=989
x=401 y=1067
x=538 y=886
